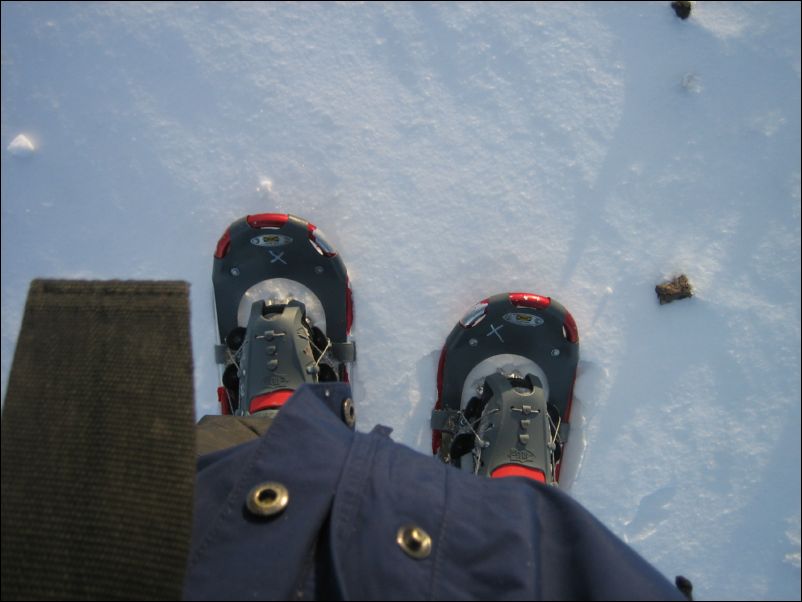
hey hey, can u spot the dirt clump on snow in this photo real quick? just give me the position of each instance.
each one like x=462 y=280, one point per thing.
x=678 y=288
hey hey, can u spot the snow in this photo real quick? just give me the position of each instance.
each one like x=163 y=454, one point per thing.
x=21 y=146
x=453 y=151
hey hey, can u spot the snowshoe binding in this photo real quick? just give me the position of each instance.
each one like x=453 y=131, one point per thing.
x=505 y=385
x=284 y=312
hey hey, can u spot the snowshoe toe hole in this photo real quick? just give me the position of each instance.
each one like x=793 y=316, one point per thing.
x=231 y=380
x=474 y=408
x=319 y=342
x=327 y=374
x=462 y=445
x=235 y=338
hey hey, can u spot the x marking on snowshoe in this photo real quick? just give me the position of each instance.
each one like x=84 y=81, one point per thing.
x=277 y=257
x=494 y=330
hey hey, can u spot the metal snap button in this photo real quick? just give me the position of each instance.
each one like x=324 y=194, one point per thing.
x=268 y=499
x=414 y=541
x=349 y=412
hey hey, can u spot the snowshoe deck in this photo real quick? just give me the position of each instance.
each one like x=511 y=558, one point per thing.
x=535 y=333
x=257 y=249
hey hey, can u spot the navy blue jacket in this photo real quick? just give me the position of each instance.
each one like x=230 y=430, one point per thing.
x=350 y=493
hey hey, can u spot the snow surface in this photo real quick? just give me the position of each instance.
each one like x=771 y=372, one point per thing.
x=21 y=146
x=453 y=151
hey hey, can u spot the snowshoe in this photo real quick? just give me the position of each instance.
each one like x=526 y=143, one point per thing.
x=505 y=385
x=284 y=312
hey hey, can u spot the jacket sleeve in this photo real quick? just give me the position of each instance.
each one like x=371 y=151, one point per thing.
x=354 y=498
